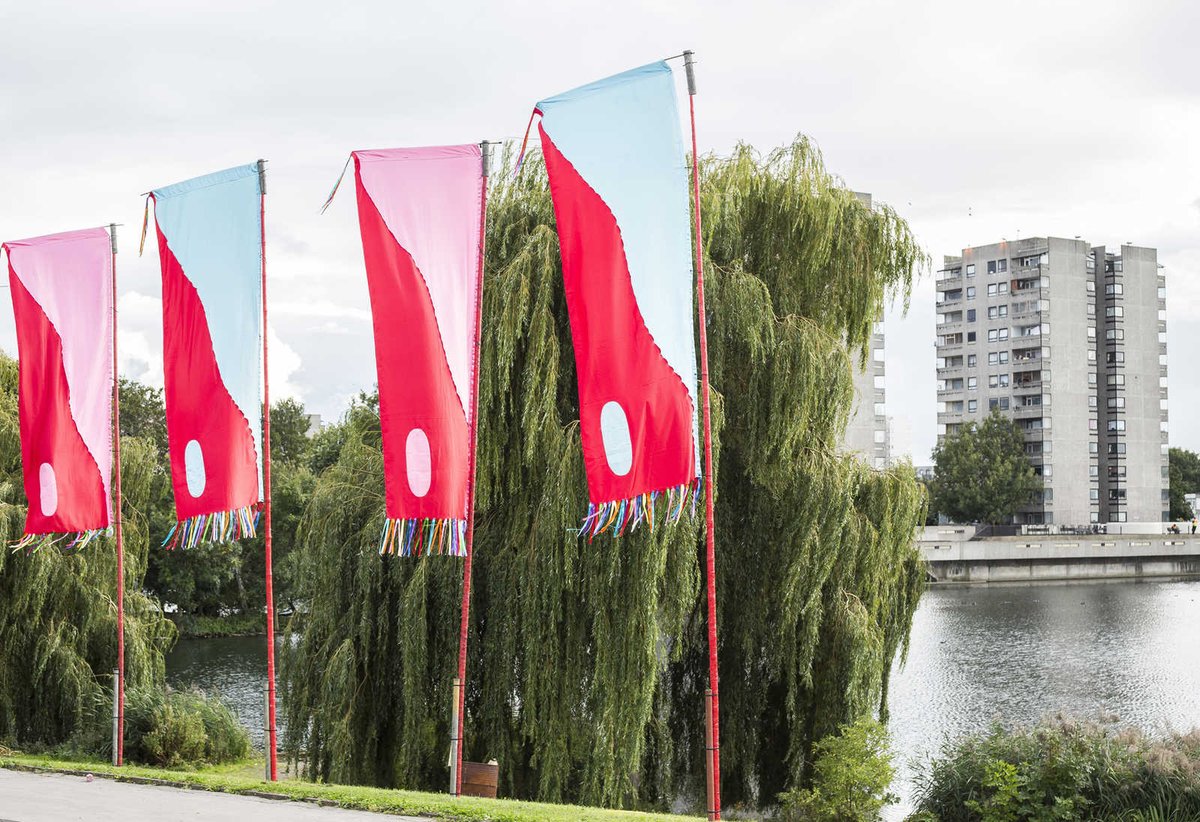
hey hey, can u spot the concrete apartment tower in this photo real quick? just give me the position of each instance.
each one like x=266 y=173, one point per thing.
x=867 y=433
x=1070 y=341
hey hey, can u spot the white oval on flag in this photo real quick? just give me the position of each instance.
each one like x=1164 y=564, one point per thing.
x=193 y=468
x=418 y=462
x=47 y=489
x=614 y=431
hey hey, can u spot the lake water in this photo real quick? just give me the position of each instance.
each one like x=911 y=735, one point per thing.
x=979 y=655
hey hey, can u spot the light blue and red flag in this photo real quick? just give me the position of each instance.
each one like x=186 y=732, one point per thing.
x=63 y=303
x=419 y=212
x=619 y=179
x=210 y=250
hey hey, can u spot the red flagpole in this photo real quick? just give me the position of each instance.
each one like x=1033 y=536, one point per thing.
x=117 y=530
x=714 y=743
x=456 y=788
x=266 y=446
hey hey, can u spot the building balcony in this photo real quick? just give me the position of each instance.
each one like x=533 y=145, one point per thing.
x=1027 y=411
x=1029 y=385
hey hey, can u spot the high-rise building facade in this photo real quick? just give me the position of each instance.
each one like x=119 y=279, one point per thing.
x=867 y=433
x=1069 y=341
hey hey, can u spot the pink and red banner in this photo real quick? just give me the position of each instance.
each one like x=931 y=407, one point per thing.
x=618 y=176
x=63 y=301
x=210 y=250
x=419 y=212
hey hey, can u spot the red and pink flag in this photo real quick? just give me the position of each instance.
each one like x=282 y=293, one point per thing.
x=419 y=212
x=210 y=250
x=619 y=179
x=63 y=302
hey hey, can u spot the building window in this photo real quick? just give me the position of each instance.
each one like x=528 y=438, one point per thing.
x=970 y=336
x=1092 y=378
x=971 y=361
x=1091 y=332
x=993 y=381
x=971 y=270
x=1116 y=425
x=1094 y=471
x=970 y=315
x=1114 y=334
x=970 y=292
x=1003 y=356
x=1114 y=311
x=972 y=383
x=993 y=357
x=1114 y=289
x=991 y=266
x=972 y=406
x=1094 y=494
x=1092 y=424
x=1114 y=357
x=1091 y=285
x=991 y=289
x=1001 y=288
x=1092 y=401
x=1116 y=379
x=1091 y=355
x=1115 y=448
x=1116 y=402
x=1093 y=447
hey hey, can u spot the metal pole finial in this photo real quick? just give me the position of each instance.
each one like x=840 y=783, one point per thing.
x=689 y=65
x=262 y=176
x=112 y=236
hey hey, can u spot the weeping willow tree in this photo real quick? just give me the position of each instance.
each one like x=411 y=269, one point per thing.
x=58 y=617
x=588 y=658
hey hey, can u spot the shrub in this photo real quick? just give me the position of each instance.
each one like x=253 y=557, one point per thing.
x=179 y=728
x=851 y=774
x=1063 y=770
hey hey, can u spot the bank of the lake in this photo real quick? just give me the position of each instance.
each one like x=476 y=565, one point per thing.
x=979 y=654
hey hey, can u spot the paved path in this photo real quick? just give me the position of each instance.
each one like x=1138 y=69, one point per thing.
x=36 y=797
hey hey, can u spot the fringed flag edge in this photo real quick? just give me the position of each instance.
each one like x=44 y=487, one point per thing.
x=417 y=537
x=625 y=515
x=78 y=540
x=221 y=526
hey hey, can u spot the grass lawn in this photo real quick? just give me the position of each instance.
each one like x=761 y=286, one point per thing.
x=247 y=777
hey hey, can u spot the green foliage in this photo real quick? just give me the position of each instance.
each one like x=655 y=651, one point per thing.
x=181 y=728
x=1184 y=479
x=1062 y=770
x=982 y=473
x=58 y=609
x=588 y=660
x=851 y=775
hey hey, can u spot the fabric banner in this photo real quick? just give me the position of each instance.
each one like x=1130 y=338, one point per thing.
x=63 y=301
x=419 y=214
x=619 y=180
x=210 y=250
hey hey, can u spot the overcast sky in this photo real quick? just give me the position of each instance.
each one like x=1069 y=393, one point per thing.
x=976 y=121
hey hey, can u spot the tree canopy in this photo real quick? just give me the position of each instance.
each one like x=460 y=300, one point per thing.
x=1184 y=473
x=981 y=474
x=588 y=659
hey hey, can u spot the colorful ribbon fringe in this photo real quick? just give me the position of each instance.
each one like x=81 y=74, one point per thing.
x=415 y=537
x=32 y=543
x=223 y=526
x=621 y=516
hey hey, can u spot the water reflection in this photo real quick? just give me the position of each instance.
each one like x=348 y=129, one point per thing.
x=1014 y=654
x=235 y=668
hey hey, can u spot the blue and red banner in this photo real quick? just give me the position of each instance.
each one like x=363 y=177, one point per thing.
x=619 y=179
x=419 y=212
x=63 y=303
x=210 y=250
